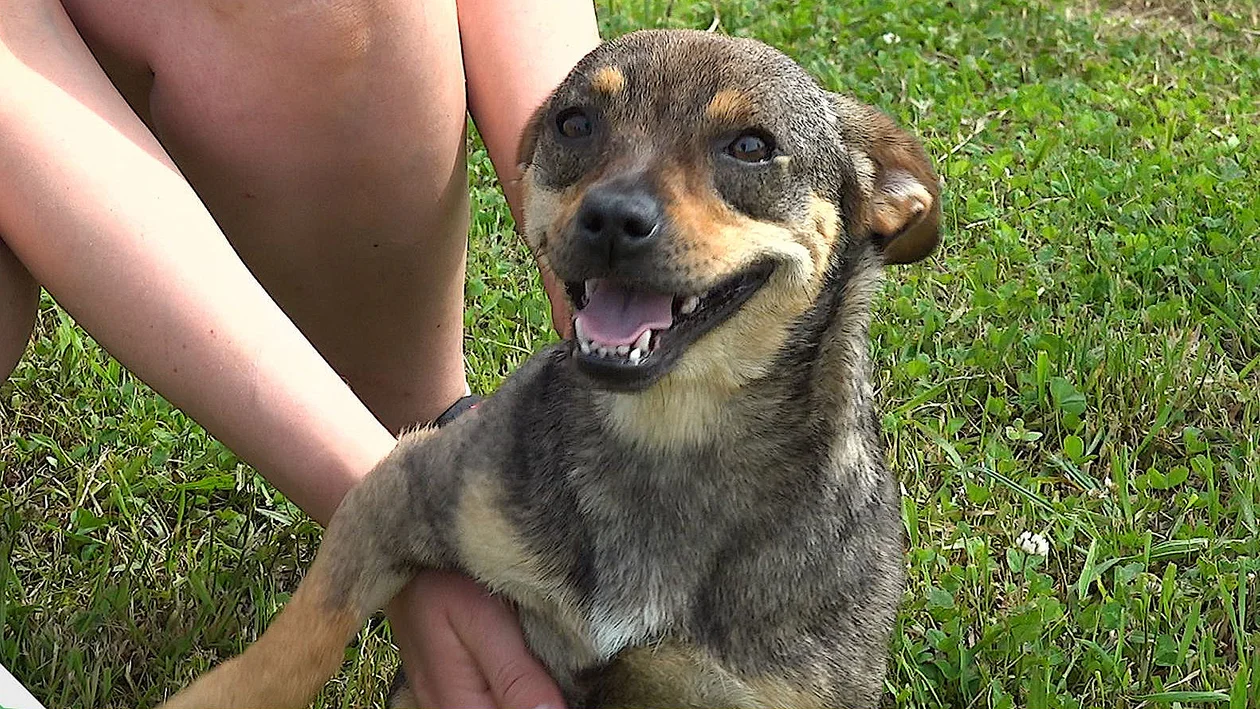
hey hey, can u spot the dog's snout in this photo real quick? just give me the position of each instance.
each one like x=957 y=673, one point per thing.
x=617 y=221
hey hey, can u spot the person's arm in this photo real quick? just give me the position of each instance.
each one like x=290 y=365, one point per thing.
x=93 y=207
x=515 y=54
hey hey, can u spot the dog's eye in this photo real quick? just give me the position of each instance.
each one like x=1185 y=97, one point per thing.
x=573 y=123
x=750 y=146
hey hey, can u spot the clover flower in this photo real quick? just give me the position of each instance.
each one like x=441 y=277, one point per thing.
x=1033 y=544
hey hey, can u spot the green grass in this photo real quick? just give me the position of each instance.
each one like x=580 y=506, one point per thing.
x=1080 y=360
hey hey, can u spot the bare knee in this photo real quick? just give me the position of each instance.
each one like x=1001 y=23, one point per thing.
x=280 y=68
x=321 y=39
x=19 y=299
x=345 y=111
x=327 y=139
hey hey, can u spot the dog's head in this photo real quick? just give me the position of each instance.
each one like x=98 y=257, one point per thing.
x=691 y=191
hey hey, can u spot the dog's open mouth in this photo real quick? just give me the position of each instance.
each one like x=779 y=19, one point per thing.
x=628 y=337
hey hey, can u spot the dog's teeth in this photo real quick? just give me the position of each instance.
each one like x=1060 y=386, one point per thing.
x=590 y=287
x=623 y=350
x=606 y=351
x=579 y=332
x=644 y=340
x=635 y=355
x=689 y=305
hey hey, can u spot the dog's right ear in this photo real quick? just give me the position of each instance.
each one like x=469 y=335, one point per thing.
x=529 y=137
x=905 y=210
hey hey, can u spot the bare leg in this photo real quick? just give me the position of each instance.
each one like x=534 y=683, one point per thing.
x=327 y=141
x=19 y=297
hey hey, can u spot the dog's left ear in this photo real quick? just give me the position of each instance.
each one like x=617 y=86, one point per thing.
x=905 y=210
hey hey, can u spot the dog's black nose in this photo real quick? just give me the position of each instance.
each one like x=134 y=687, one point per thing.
x=616 y=222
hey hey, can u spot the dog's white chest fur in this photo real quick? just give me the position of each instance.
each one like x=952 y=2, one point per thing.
x=620 y=619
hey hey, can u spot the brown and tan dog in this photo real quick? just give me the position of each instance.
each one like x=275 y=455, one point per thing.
x=688 y=501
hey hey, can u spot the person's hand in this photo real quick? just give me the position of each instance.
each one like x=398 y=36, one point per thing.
x=461 y=647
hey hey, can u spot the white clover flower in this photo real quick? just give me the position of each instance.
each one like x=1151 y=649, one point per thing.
x=1033 y=544
x=891 y=38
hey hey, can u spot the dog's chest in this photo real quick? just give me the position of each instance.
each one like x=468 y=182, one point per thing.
x=638 y=608
x=655 y=528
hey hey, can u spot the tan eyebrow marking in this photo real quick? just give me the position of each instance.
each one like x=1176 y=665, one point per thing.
x=728 y=105
x=608 y=80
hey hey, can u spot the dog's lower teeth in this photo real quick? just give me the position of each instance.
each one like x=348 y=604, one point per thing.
x=689 y=305
x=644 y=340
x=634 y=353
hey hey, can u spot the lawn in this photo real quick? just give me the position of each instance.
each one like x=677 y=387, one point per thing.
x=1081 y=360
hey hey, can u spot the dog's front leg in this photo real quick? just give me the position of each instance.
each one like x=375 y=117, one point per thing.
x=371 y=549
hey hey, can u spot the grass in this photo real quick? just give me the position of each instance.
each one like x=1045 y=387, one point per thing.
x=1081 y=360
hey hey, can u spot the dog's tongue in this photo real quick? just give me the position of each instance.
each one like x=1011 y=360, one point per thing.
x=616 y=315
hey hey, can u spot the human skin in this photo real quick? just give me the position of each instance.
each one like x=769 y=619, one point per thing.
x=343 y=191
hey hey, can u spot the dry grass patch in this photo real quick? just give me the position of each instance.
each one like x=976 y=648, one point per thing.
x=1217 y=21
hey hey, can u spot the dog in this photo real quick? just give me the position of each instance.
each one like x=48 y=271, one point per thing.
x=686 y=501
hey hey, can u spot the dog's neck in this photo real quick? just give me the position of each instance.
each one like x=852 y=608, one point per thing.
x=837 y=330
x=842 y=377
